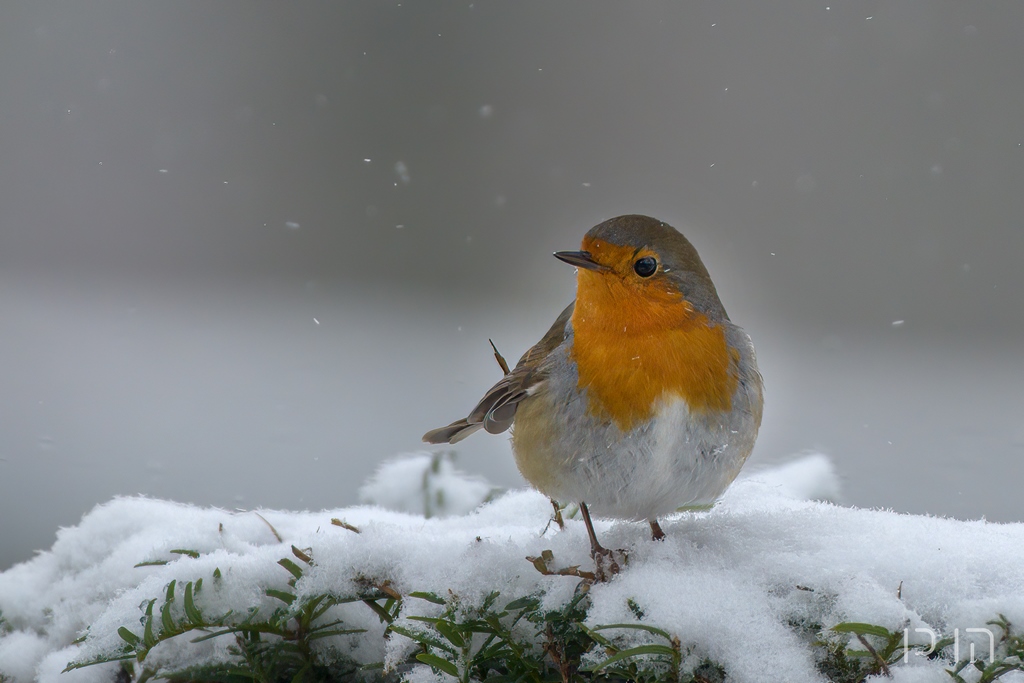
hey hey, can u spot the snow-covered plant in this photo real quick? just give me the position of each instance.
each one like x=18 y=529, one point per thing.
x=495 y=640
x=269 y=645
x=427 y=484
x=766 y=586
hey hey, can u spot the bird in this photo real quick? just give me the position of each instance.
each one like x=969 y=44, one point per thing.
x=643 y=398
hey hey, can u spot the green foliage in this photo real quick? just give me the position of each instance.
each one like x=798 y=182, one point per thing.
x=476 y=642
x=1009 y=657
x=884 y=649
x=498 y=642
x=493 y=639
x=274 y=646
x=664 y=659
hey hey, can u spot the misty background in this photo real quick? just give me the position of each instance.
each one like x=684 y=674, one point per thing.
x=248 y=250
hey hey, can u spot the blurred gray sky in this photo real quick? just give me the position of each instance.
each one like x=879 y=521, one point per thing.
x=249 y=249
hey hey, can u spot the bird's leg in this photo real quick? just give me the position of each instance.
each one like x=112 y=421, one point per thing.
x=595 y=547
x=598 y=551
x=656 y=533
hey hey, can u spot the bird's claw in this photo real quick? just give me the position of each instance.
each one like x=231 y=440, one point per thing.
x=607 y=562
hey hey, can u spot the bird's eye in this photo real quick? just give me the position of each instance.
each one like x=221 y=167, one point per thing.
x=646 y=266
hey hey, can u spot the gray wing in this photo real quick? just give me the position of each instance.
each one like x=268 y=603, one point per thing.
x=497 y=409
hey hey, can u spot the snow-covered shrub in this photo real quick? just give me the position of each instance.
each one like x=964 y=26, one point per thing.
x=765 y=586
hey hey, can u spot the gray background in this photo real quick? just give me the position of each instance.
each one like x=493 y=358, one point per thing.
x=249 y=250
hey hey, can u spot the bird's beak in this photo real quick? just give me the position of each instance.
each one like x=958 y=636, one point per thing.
x=580 y=259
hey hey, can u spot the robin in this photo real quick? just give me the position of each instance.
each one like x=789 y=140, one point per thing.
x=643 y=397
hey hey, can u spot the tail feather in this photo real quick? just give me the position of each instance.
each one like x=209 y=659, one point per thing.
x=497 y=409
x=453 y=433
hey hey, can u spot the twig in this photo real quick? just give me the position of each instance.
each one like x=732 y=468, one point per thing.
x=555 y=519
x=541 y=565
x=272 y=529
x=878 y=658
x=498 y=357
x=558 y=515
x=344 y=525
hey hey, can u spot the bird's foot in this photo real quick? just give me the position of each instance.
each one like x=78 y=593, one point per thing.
x=607 y=563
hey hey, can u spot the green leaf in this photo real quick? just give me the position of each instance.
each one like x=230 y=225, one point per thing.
x=334 y=632
x=479 y=626
x=152 y=563
x=194 y=554
x=295 y=569
x=860 y=629
x=451 y=633
x=192 y=612
x=381 y=612
x=328 y=602
x=634 y=652
x=489 y=601
x=287 y=598
x=93 y=662
x=148 y=637
x=636 y=627
x=128 y=637
x=208 y=636
x=598 y=638
x=439 y=664
x=429 y=597
x=528 y=602
x=328 y=625
x=635 y=608
x=422 y=638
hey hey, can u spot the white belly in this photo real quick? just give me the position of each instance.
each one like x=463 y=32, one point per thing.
x=677 y=460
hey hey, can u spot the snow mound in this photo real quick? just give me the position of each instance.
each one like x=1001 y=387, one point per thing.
x=425 y=483
x=811 y=477
x=746 y=584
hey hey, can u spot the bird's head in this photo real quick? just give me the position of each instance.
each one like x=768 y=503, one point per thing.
x=639 y=267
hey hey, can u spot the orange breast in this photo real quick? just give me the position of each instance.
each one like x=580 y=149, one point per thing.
x=635 y=347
